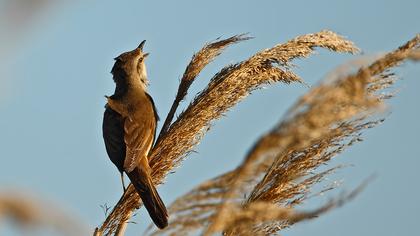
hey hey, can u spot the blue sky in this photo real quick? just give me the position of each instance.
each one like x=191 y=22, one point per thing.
x=55 y=74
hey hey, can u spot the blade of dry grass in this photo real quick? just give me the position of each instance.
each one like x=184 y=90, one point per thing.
x=227 y=88
x=322 y=124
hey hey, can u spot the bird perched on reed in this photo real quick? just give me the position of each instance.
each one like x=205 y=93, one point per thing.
x=129 y=129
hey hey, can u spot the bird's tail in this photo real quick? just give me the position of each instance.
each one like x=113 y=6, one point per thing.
x=144 y=186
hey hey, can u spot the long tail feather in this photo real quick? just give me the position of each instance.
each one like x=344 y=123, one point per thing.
x=145 y=188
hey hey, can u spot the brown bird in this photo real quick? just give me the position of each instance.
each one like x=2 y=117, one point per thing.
x=129 y=129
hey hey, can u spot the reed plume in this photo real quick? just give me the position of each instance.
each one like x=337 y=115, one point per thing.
x=280 y=169
x=199 y=60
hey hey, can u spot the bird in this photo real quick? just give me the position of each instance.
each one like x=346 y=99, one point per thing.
x=129 y=129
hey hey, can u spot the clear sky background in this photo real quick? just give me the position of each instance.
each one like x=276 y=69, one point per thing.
x=54 y=74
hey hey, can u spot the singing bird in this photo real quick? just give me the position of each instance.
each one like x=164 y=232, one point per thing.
x=129 y=129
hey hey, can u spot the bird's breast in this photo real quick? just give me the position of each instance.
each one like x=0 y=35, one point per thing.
x=133 y=104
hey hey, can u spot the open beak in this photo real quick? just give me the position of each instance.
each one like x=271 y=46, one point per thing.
x=145 y=55
x=141 y=45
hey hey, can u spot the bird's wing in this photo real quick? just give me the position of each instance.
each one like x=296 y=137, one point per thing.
x=139 y=132
x=113 y=134
x=155 y=113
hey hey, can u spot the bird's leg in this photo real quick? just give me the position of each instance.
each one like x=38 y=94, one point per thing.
x=122 y=181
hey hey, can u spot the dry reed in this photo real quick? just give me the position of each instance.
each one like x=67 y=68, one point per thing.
x=242 y=219
x=281 y=167
x=26 y=211
x=226 y=88
x=199 y=60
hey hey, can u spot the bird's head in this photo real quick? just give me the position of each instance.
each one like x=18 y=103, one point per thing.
x=130 y=66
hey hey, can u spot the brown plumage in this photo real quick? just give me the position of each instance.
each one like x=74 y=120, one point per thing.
x=129 y=129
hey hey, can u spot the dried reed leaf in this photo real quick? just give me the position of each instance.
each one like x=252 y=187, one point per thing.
x=321 y=125
x=226 y=88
